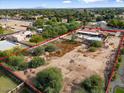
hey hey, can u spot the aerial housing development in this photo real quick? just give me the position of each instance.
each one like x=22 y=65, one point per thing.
x=61 y=49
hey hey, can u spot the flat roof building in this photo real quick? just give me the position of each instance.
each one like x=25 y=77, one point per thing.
x=89 y=35
x=6 y=45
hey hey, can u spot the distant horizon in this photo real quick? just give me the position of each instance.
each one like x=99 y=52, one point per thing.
x=57 y=4
x=60 y=8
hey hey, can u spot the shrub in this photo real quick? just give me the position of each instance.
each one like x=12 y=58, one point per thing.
x=92 y=49
x=119 y=59
x=17 y=50
x=72 y=40
x=115 y=76
x=50 y=48
x=50 y=80
x=15 y=60
x=36 y=62
x=94 y=84
x=23 y=66
x=38 y=51
x=36 y=39
x=2 y=55
x=117 y=66
x=96 y=44
x=122 y=51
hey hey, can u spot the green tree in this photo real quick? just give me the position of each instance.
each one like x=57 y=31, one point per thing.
x=38 y=51
x=50 y=32
x=23 y=66
x=39 y=23
x=99 y=18
x=50 y=80
x=92 y=49
x=36 y=39
x=117 y=66
x=122 y=51
x=96 y=44
x=120 y=58
x=62 y=29
x=54 y=31
x=84 y=23
x=54 y=20
x=116 y=23
x=73 y=25
x=36 y=62
x=94 y=84
x=50 y=48
x=15 y=60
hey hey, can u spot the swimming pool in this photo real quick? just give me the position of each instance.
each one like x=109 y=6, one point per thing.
x=5 y=45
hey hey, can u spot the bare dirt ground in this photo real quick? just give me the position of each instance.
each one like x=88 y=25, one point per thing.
x=64 y=47
x=77 y=66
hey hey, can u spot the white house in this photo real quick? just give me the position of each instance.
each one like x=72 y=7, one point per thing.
x=27 y=33
x=22 y=36
x=102 y=24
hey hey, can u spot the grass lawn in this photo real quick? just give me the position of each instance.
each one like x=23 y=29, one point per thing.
x=6 y=84
x=119 y=90
x=8 y=31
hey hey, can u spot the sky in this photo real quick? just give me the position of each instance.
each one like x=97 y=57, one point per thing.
x=11 y=4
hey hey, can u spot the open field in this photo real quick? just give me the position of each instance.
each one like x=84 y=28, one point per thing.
x=6 y=84
x=15 y=24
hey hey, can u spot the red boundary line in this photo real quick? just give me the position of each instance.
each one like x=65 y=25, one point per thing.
x=52 y=39
x=116 y=62
x=45 y=42
x=42 y=43
x=28 y=83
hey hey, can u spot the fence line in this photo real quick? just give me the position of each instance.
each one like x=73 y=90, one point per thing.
x=116 y=62
x=17 y=88
x=29 y=84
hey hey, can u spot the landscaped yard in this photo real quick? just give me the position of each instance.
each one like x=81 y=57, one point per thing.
x=6 y=84
x=119 y=90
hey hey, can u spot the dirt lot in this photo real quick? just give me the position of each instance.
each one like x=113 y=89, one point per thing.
x=64 y=47
x=77 y=66
x=15 y=24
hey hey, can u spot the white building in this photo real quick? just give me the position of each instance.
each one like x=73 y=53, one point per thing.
x=89 y=35
x=102 y=24
x=6 y=45
x=39 y=30
x=22 y=36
